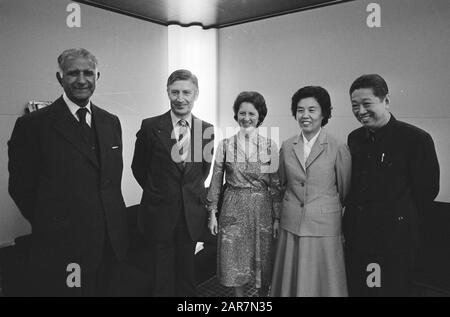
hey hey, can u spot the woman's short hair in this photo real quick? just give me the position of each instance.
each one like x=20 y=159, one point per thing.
x=256 y=99
x=319 y=94
x=373 y=81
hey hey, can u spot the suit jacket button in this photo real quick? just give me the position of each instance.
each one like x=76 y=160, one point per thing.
x=360 y=208
x=302 y=205
x=302 y=184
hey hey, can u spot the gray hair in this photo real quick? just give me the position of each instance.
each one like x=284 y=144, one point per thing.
x=182 y=74
x=74 y=53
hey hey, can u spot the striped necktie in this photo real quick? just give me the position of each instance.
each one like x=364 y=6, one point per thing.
x=183 y=140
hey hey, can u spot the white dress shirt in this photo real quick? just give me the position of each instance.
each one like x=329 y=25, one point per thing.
x=176 y=126
x=308 y=145
x=73 y=107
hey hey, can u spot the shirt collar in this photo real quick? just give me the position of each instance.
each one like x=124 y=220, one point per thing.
x=379 y=133
x=313 y=139
x=73 y=107
x=175 y=119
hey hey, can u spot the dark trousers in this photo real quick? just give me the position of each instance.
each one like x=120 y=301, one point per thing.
x=51 y=280
x=174 y=273
x=396 y=274
x=105 y=280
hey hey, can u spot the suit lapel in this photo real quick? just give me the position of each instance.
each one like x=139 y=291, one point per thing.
x=165 y=131
x=103 y=134
x=317 y=148
x=67 y=126
x=299 y=152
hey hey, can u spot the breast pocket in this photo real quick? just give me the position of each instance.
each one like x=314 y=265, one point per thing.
x=390 y=163
x=115 y=150
x=394 y=171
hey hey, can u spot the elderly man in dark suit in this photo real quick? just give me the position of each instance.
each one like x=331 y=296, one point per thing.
x=170 y=166
x=65 y=165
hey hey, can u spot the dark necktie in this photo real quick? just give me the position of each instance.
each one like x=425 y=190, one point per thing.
x=81 y=113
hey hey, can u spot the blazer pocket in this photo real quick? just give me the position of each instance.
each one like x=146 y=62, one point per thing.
x=330 y=209
x=116 y=151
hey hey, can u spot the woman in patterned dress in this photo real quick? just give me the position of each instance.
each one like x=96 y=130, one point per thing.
x=249 y=162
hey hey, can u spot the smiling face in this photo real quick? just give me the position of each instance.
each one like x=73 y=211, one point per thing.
x=182 y=95
x=369 y=109
x=247 y=116
x=79 y=78
x=309 y=116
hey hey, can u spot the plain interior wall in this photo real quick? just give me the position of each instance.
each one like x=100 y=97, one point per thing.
x=132 y=58
x=328 y=46
x=332 y=46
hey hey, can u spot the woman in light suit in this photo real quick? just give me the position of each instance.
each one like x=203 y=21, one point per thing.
x=315 y=176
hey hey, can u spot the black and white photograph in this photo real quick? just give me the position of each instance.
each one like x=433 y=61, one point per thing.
x=225 y=154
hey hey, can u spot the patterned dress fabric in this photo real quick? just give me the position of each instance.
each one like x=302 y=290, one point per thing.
x=251 y=201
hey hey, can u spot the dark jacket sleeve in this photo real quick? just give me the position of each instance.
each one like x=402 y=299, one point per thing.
x=141 y=157
x=207 y=157
x=119 y=127
x=424 y=171
x=23 y=166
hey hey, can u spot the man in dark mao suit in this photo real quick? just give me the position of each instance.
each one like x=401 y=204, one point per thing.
x=171 y=161
x=65 y=165
x=395 y=178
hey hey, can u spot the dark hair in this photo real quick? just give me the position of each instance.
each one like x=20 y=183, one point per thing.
x=74 y=53
x=182 y=74
x=320 y=94
x=373 y=81
x=256 y=99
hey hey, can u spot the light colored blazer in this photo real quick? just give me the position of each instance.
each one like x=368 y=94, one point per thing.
x=314 y=191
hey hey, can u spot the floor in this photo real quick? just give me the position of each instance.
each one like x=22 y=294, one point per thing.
x=212 y=288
